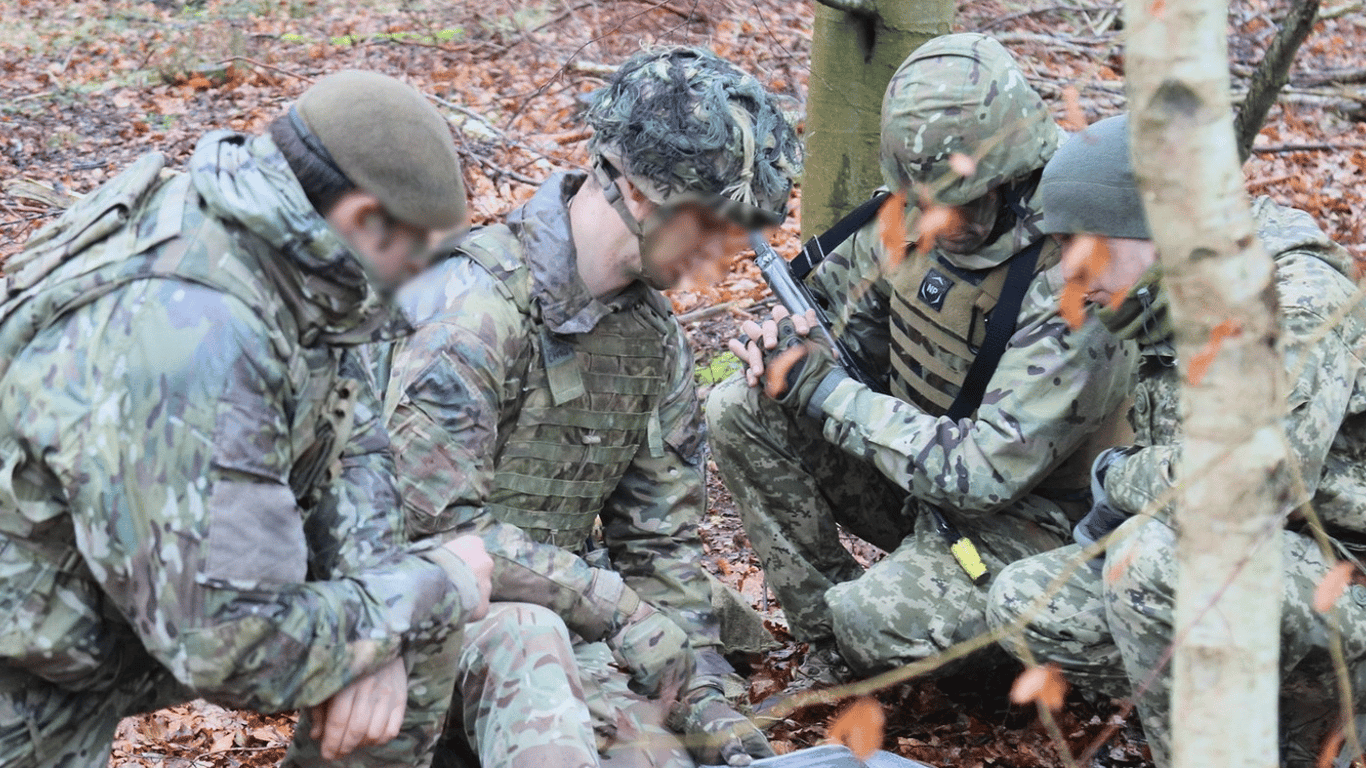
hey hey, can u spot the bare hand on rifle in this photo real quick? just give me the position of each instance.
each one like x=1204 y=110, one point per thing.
x=756 y=340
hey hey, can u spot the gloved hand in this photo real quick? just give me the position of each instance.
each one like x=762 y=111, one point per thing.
x=713 y=731
x=810 y=379
x=1103 y=518
x=656 y=651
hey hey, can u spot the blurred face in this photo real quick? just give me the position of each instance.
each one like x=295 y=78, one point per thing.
x=393 y=251
x=694 y=245
x=1106 y=267
x=969 y=225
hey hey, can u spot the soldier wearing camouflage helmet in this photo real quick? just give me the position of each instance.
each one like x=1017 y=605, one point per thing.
x=549 y=386
x=198 y=495
x=831 y=452
x=1113 y=635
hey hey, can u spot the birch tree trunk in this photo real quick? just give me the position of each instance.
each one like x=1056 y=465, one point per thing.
x=856 y=45
x=1225 y=674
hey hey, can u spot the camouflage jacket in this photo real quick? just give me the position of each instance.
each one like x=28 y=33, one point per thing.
x=1323 y=335
x=1053 y=388
x=464 y=382
x=191 y=456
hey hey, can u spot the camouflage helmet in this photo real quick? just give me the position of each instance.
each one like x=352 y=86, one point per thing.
x=962 y=93
x=684 y=125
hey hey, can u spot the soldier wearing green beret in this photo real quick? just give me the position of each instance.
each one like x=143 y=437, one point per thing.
x=548 y=386
x=1113 y=635
x=1002 y=466
x=197 y=495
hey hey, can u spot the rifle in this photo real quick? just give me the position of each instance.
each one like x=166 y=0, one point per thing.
x=794 y=295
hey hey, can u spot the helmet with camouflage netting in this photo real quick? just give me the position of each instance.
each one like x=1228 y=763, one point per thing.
x=962 y=93
x=686 y=126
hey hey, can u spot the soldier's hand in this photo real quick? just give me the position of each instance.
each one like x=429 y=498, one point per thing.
x=471 y=550
x=757 y=340
x=656 y=652
x=713 y=731
x=366 y=713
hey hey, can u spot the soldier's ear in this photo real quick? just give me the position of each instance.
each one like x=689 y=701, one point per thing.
x=360 y=220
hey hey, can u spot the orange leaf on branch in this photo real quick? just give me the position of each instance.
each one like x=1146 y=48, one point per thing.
x=1331 y=586
x=775 y=374
x=935 y=220
x=962 y=164
x=1092 y=256
x=1201 y=360
x=1043 y=685
x=891 y=228
x=859 y=727
x=1073 y=118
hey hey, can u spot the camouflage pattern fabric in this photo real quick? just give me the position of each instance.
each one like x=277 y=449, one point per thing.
x=794 y=478
x=962 y=94
x=500 y=326
x=1326 y=435
x=196 y=491
x=547 y=700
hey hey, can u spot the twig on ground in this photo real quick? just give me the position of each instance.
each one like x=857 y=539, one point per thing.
x=702 y=313
x=263 y=65
x=999 y=20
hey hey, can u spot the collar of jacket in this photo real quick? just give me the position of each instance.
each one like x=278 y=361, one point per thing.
x=244 y=179
x=542 y=228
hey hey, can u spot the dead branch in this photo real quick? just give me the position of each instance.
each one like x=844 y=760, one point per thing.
x=1272 y=74
x=999 y=20
x=1332 y=77
x=263 y=65
x=1324 y=146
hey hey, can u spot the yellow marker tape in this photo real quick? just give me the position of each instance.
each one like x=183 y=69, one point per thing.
x=966 y=555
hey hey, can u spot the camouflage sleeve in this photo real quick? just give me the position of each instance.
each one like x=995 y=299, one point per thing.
x=1323 y=364
x=445 y=390
x=851 y=284
x=1052 y=388
x=358 y=521
x=651 y=520
x=172 y=436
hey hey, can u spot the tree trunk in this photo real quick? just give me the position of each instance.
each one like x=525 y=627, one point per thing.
x=1225 y=674
x=856 y=45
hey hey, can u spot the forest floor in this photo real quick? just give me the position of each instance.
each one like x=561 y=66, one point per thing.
x=85 y=87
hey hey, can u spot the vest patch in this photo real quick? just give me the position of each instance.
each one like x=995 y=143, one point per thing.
x=934 y=289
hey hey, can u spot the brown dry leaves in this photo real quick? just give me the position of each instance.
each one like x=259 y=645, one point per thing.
x=859 y=727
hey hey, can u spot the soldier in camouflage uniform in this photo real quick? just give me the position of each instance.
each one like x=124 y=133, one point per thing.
x=196 y=491
x=549 y=385
x=842 y=454
x=1113 y=637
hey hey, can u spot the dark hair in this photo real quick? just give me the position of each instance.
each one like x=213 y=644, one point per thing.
x=321 y=182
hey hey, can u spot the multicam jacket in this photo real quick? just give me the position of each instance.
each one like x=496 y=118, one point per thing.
x=1052 y=390
x=1323 y=335
x=524 y=408
x=191 y=456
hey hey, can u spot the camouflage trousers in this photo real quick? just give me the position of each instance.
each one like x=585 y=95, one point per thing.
x=528 y=696
x=1114 y=637
x=43 y=725
x=794 y=490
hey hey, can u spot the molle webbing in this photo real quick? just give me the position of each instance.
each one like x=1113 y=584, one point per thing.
x=588 y=404
x=565 y=455
x=938 y=321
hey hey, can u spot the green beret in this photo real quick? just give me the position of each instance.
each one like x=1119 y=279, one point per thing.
x=391 y=142
x=1089 y=187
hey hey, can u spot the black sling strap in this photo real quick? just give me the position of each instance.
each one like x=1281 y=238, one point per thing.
x=818 y=247
x=1000 y=327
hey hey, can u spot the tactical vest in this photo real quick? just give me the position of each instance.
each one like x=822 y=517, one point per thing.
x=587 y=405
x=138 y=226
x=938 y=321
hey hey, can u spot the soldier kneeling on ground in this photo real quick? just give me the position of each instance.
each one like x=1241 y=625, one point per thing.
x=197 y=496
